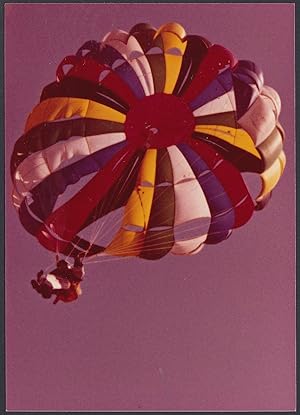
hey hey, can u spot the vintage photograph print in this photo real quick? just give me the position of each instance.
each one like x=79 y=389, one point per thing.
x=150 y=207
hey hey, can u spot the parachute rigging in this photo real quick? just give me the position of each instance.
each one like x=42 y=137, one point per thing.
x=139 y=147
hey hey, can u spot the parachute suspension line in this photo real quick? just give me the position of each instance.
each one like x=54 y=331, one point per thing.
x=74 y=245
x=180 y=233
x=68 y=257
x=97 y=229
x=42 y=220
x=158 y=238
x=103 y=259
x=162 y=244
x=136 y=248
x=166 y=206
x=115 y=223
x=130 y=254
x=183 y=231
x=56 y=251
x=52 y=264
x=98 y=213
x=140 y=199
x=118 y=222
x=117 y=192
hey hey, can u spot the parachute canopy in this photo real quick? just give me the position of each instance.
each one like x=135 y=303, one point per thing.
x=157 y=123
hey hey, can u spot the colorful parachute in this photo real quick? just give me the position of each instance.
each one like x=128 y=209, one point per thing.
x=154 y=122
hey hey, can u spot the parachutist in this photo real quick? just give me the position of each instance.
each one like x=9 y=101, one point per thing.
x=63 y=282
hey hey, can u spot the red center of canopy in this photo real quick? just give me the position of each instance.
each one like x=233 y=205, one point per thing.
x=159 y=120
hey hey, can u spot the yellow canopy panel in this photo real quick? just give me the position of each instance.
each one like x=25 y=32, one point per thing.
x=235 y=136
x=137 y=210
x=172 y=27
x=57 y=108
x=126 y=243
x=271 y=176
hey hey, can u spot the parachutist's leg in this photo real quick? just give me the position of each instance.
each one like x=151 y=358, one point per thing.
x=56 y=300
x=35 y=285
x=40 y=273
